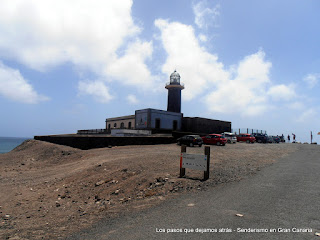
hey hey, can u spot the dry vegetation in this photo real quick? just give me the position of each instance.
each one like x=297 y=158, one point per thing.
x=48 y=191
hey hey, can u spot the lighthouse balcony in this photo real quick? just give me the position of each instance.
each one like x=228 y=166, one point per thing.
x=174 y=85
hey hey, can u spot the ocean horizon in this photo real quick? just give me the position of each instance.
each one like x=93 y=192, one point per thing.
x=9 y=143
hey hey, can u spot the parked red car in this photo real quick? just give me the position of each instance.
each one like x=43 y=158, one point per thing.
x=245 y=137
x=214 y=139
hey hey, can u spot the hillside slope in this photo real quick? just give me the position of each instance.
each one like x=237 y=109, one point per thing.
x=48 y=190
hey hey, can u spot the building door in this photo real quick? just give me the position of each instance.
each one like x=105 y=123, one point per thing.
x=158 y=123
x=174 y=125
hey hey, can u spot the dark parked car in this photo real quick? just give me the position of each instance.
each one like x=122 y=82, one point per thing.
x=270 y=139
x=260 y=137
x=276 y=139
x=216 y=139
x=282 y=138
x=190 y=140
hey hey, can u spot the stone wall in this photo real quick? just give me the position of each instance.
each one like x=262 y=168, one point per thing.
x=86 y=142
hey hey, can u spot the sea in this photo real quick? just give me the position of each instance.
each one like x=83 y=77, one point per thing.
x=9 y=143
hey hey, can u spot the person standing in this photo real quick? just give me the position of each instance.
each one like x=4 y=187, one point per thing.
x=288 y=138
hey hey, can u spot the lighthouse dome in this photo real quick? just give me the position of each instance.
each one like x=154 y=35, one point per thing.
x=175 y=78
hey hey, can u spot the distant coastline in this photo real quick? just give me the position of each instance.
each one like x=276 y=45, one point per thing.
x=9 y=143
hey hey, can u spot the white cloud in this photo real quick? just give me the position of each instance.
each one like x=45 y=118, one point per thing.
x=131 y=69
x=242 y=89
x=97 y=89
x=199 y=69
x=89 y=34
x=51 y=32
x=13 y=86
x=282 y=92
x=306 y=116
x=296 y=105
x=132 y=99
x=204 y=15
x=236 y=97
x=312 y=79
x=245 y=93
x=203 y=38
x=253 y=71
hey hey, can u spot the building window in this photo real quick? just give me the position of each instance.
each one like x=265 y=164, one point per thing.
x=129 y=125
x=174 y=125
x=122 y=125
x=115 y=125
x=158 y=123
x=109 y=126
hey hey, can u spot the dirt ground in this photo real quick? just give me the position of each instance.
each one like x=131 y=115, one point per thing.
x=48 y=191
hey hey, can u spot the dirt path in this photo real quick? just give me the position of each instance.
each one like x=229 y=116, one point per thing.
x=282 y=201
x=49 y=191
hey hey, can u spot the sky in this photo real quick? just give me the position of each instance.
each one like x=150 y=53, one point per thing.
x=69 y=65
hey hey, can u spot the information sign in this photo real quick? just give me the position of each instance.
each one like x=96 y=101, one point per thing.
x=194 y=161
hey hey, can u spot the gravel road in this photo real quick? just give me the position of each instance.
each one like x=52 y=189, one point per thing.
x=283 y=198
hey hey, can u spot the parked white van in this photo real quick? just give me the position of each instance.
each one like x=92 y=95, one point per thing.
x=231 y=137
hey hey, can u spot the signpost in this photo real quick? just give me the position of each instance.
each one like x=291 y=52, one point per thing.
x=195 y=161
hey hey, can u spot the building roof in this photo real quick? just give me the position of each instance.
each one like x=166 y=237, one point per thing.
x=158 y=110
x=200 y=118
x=121 y=118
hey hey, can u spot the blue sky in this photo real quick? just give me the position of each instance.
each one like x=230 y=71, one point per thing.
x=69 y=65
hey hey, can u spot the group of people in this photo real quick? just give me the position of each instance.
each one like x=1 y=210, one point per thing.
x=293 y=136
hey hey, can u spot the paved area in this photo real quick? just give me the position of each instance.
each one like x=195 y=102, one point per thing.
x=281 y=202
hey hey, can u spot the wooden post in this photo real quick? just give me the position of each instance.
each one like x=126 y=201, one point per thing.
x=182 y=170
x=207 y=153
